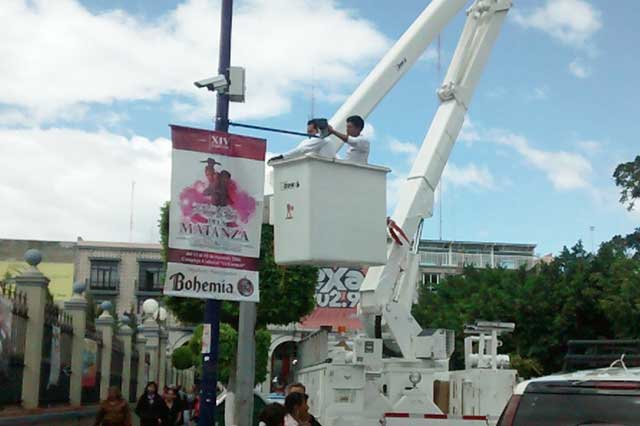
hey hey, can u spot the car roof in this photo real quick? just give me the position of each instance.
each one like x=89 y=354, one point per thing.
x=608 y=374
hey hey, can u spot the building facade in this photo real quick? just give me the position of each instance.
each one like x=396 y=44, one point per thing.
x=126 y=274
x=440 y=258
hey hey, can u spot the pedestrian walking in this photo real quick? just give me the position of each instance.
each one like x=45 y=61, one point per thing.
x=272 y=415
x=174 y=406
x=114 y=411
x=300 y=388
x=151 y=408
x=297 y=410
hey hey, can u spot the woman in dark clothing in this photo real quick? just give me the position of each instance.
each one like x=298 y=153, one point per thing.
x=151 y=408
x=174 y=404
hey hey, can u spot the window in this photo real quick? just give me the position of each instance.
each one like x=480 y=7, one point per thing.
x=104 y=275
x=431 y=281
x=150 y=276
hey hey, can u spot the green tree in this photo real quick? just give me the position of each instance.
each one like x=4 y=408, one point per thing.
x=576 y=296
x=627 y=178
x=286 y=295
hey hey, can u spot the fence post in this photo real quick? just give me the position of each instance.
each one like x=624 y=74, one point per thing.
x=77 y=308
x=34 y=285
x=125 y=333
x=105 y=323
x=141 y=344
x=162 y=368
x=151 y=331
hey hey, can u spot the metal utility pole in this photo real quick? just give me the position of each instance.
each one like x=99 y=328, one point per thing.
x=212 y=307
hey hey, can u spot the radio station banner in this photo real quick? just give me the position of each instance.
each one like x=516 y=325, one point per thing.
x=215 y=216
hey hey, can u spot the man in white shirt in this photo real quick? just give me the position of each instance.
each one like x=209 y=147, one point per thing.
x=358 y=145
x=312 y=145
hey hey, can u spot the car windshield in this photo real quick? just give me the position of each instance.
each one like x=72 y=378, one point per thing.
x=559 y=409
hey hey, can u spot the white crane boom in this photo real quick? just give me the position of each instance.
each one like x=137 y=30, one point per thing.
x=387 y=290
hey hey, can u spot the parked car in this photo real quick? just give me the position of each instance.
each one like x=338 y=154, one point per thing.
x=608 y=396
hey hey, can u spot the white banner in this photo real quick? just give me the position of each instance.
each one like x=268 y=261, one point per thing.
x=215 y=218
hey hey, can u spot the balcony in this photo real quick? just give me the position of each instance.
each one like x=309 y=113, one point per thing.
x=103 y=288
x=150 y=289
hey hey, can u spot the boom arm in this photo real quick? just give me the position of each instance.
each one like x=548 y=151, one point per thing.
x=387 y=290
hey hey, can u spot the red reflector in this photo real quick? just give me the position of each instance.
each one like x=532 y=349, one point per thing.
x=617 y=385
x=435 y=416
x=397 y=415
x=509 y=414
x=474 y=417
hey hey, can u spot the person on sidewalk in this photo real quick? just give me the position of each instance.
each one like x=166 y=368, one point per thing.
x=301 y=389
x=272 y=415
x=114 y=411
x=151 y=408
x=175 y=407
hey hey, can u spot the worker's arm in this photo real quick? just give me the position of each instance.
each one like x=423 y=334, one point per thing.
x=307 y=146
x=342 y=136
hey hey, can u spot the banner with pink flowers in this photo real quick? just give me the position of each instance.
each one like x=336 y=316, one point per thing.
x=215 y=217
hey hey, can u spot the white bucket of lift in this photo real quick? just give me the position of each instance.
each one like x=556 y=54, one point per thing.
x=329 y=212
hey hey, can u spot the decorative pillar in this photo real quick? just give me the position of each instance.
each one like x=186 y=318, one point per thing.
x=77 y=308
x=162 y=379
x=105 y=323
x=125 y=334
x=151 y=331
x=34 y=285
x=141 y=345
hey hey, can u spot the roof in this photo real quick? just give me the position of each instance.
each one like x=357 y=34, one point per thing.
x=119 y=245
x=609 y=374
x=333 y=317
x=446 y=243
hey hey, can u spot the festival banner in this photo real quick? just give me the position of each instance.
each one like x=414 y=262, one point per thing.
x=215 y=216
x=54 y=372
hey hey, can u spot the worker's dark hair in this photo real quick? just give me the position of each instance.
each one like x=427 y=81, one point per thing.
x=313 y=121
x=357 y=121
x=293 y=400
x=273 y=415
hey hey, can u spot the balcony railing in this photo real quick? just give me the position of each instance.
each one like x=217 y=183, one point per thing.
x=478 y=260
x=145 y=288
x=103 y=287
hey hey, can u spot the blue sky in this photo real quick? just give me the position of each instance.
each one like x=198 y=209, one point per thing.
x=89 y=88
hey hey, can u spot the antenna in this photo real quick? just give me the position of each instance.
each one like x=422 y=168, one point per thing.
x=441 y=184
x=313 y=94
x=591 y=229
x=133 y=187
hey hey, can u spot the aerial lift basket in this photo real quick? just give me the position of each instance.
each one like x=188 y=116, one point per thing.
x=328 y=212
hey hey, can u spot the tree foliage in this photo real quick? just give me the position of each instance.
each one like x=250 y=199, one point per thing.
x=578 y=295
x=627 y=178
x=182 y=358
x=286 y=295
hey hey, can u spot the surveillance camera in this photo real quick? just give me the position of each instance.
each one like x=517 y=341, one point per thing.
x=218 y=82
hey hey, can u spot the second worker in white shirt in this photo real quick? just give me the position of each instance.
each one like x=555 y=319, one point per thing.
x=358 y=145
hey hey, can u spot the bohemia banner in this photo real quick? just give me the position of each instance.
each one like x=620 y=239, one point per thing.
x=215 y=218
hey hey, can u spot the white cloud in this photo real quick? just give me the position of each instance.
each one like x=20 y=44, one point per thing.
x=468 y=133
x=79 y=58
x=398 y=147
x=590 y=146
x=62 y=183
x=579 y=69
x=539 y=94
x=565 y=170
x=470 y=176
x=572 y=22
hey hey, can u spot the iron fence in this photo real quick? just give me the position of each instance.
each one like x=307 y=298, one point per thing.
x=54 y=374
x=133 y=383
x=117 y=363
x=91 y=365
x=13 y=332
